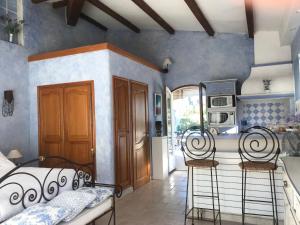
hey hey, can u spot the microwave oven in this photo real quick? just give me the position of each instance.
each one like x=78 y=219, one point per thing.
x=221 y=118
x=221 y=101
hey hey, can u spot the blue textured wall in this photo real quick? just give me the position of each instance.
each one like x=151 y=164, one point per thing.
x=98 y=66
x=45 y=30
x=196 y=56
x=14 y=76
x=295 y=58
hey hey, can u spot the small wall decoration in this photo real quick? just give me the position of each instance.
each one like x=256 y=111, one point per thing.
x=267 y=84
x=158 y=104
x=8 y=103
x=158 y=127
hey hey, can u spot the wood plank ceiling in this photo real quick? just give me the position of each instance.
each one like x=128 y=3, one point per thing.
x=74 y=12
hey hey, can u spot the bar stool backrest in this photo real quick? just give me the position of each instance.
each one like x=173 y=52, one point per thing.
x=197 y=145
x=259 y=145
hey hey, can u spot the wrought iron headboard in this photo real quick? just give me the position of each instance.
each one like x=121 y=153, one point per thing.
x=196 y=144
x=260 y=145
x=45 y=189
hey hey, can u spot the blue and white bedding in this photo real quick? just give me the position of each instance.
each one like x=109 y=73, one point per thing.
x=101 y=193
x=39 y=214
x=76 y=201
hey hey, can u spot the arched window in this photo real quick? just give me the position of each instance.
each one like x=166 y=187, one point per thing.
x=186 y=108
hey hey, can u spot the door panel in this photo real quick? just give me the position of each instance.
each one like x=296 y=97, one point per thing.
x=140 y=128
x=169 y=129
x=51 y=121
x=122 y=132
x=77 y=123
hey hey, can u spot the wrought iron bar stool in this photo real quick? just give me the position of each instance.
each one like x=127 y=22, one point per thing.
x=199 y=152
x=259 y=150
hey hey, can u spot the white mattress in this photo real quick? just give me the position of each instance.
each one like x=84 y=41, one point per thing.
x=28 y=182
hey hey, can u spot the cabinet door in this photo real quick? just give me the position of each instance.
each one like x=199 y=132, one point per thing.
x=78 y=123
x=290 y=219
x=50 y=122
x=296 y=207
x=221 y=88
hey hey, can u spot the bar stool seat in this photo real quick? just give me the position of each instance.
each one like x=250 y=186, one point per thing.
x=258 y=166
x=202 y=163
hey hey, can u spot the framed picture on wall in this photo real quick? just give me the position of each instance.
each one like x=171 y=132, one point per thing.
x=158 y=104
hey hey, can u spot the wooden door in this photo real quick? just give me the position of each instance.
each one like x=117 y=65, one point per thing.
x=78 y=123
x=51 y=128
x=140 y=134
x=66 y=121
x=122 y=132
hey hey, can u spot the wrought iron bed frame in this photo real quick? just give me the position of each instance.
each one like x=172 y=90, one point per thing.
x=49 y=188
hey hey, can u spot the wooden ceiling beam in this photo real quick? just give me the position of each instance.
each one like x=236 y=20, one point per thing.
x=157 y=18
x=38 y=1
x=83 y=16
x=250 y=17
x=92 y=21
x=74 y=8
x=192 y=4
x=60 y=4
x=115 y=15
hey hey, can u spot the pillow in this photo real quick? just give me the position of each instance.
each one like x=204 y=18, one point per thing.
x=101 y=193
x=5 y=165
x=73 y=200
x=39 y=214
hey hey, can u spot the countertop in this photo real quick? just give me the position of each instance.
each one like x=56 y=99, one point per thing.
x=292 y=166
x=229 y=142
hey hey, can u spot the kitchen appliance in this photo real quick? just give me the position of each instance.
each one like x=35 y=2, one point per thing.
x=221 y=118
x=221 y=101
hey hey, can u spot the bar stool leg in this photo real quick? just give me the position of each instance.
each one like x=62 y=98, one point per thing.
x=245 y=187
x=192 y=195
x=243 y=196
x=244 y=183
x=218 y=196
x=272 y=196
x=275 y=198
x=187 y=196
x=213 y=195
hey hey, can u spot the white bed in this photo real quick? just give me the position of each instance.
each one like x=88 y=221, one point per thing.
x=22 y=187
x=32 y=180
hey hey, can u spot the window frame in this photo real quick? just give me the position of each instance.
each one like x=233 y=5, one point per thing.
x=20 y=16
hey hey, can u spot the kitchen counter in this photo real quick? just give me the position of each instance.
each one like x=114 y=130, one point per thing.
x=292 y=166
x=229 y=142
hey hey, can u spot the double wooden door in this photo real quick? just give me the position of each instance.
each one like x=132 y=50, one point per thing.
x=132 y=152
x=66 y=121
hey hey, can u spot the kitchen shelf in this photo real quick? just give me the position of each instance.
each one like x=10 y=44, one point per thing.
x=265 y=96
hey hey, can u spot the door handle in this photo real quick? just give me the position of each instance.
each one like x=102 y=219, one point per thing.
x=93 y=151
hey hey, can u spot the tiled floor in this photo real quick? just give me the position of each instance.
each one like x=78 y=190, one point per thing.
x=157 y=203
